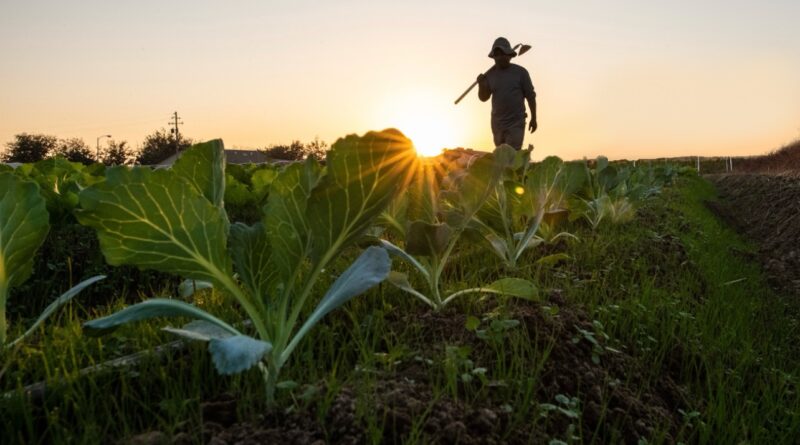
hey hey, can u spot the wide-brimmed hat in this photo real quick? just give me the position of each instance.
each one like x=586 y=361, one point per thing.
x=502 y=43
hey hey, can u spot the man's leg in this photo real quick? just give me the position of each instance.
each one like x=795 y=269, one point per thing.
x=499 y=135
x=514 y=136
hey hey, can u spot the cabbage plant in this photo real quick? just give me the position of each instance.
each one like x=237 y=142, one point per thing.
x=24 y=223
x=610 y=193
x=512 y=218
x=174 y=221
x=431 y=222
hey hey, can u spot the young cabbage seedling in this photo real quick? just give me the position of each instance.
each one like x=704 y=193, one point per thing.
x=174 y=221
x=429 y=239
x=515 y=205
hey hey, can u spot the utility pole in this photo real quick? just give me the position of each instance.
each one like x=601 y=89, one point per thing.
x=175 y=122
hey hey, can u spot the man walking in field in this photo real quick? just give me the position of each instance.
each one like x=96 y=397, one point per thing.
x=509 y=85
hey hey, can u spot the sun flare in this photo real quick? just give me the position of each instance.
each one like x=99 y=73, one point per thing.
x=428 y=120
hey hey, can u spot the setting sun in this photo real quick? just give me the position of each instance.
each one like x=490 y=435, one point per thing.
x=427 y=119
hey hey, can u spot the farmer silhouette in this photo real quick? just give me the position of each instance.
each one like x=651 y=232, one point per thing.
x=508 y=85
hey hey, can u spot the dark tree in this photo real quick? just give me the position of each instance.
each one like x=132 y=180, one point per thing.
x=297 y=151
x=74 y=150
x=316 y=149
x=29 y=148
x=117 y=153
x=159 y=146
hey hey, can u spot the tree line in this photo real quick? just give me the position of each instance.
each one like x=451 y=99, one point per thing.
x=27 y=147
x=158 y=146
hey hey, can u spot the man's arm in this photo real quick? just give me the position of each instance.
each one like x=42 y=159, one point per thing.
x=483 y=88
x=532 y=105
x=530 y=96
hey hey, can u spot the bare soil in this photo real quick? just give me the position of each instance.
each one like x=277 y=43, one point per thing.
x=766 y=209
x=614 y=402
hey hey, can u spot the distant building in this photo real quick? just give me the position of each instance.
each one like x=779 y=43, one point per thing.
x=231 y=157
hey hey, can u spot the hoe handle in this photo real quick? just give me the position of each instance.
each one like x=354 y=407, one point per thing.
x=465 y=92
x=524 y=49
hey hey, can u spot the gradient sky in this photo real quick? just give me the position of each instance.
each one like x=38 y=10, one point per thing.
x=628 y=79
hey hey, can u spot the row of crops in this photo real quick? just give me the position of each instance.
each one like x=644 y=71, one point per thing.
x=267 y=237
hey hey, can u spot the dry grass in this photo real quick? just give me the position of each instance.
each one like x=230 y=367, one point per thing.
x=783 y=160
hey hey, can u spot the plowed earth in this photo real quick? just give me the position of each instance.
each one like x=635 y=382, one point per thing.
x=766 y=209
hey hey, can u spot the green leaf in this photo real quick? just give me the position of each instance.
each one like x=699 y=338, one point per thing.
x=238 y=353
x=187 y=288
x=262 y=180
x=402 y=254
x=156 y=307
x=60 y=301
x=550 y=260
x=472 y=323
x=23 y=228
x=551 y=183
x=515 y=287
x=250 y=252
x=285 y=221
x=200 y=330
x=363 y=174
x=601 y=163
x=203 y=165
x=157 y=220
x=481 y=178
x=427 y=239
x=367 y=271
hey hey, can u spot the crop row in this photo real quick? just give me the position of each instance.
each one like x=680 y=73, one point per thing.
x=294 y=222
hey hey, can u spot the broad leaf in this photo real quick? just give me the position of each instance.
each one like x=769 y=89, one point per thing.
x=550 y=184
x=250 y=252
x=400 y=253
x=157 y=220
x=156 y=307
x=23 y=228
x=187 y=288
x=550 y=260
x=427 y=239
x=363 y=174
x=371 y=267
x=200 y=330
x=285 y=221
x=203 y=165
x=516 y=287
x=475 y=186
x=236 y=354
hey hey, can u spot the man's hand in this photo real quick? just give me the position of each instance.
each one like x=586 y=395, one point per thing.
x=481 y=78
x=533 y=125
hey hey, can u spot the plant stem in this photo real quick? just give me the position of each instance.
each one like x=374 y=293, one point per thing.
x=3 y=326
x=270 y=375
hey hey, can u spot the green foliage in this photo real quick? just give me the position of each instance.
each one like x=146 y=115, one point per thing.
x=173 y=221
x=74 y=150
x=23 y=228
x=513 y=215
x=117 y=153
x=429 y=242
x=29 y=148
x=24 y=224
x=160 y=145
x=297 y=151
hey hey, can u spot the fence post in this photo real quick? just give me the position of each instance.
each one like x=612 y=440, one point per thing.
x=698 y=164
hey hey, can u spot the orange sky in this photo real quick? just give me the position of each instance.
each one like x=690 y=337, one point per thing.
x=620 y=78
